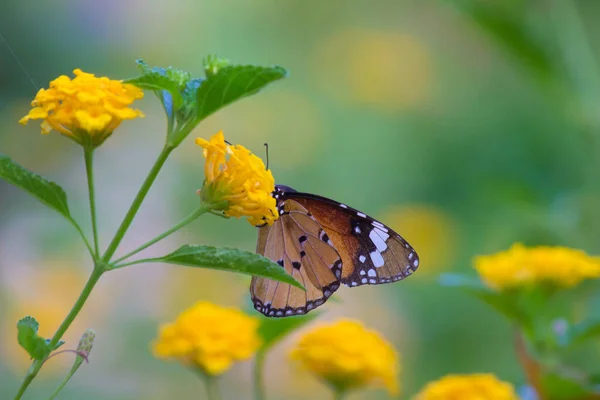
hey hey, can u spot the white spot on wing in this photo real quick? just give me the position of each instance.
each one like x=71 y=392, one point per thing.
x=364 y=280
x=416 y=262
x=362 y=258
x=357 y=229
x=372 y=273
x=343 y=205
x=379 y=225
x=410 y=256
x=377 y=259
x=361 y=215
x=362 y=272
x=377 y=240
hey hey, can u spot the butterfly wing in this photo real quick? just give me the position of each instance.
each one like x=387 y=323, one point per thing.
x=371 y=252
x=294 y=242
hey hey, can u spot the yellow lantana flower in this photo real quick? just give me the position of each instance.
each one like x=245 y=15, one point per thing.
x=521 y=266
x=86 y=109
x=468 y=387
x=233 y=174
x=347 y=355
x=209 y=337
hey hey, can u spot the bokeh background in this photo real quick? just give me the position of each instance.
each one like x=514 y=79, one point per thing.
x=466 y=126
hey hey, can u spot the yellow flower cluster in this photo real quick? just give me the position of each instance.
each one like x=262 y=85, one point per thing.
x=520 y=266
x=209 y=337
x=86 y=109
x=347 y=355
x=468 y=387
x=233 y=174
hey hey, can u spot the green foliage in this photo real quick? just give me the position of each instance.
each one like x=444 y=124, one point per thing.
x=212 y=64
x=37 y=347
x=272 y=330
x=44 y=190
x=226 y=259
x=165 y=82
x=233 y=83
x=187 y=101
x=562 y=386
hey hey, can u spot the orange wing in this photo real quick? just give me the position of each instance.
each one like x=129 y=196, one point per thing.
x=371 y=252
x=294 y=242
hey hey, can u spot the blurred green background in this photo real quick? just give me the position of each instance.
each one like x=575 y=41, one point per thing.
x=466 y=126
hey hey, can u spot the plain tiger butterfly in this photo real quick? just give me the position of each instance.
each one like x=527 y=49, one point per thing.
x=322 y=244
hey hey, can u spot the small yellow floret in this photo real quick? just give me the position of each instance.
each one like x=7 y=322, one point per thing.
x=233 y=174
x=468 y=387
x=209 y=337
x=86 y=109
x=522 y=266
x=347 y=355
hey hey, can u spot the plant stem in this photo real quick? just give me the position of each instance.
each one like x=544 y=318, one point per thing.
x=339 y=394
x=204 y=208
x=85 y=240
x=137 y=202
x=530 y=367
x=259 y=366
x=210 y=383
x=85 y=293
x=89 y=168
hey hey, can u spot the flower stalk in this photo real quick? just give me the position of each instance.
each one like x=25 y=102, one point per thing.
x=89 y=168
x=85 y=293
x=137 y=202
x=203 y=209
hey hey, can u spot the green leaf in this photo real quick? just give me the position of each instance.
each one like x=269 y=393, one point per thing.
x=35 y=345
x=161 y=80
x=272 y=330
x=231 y=83
x=46 y=191
x=226 y=259
x=566 y=386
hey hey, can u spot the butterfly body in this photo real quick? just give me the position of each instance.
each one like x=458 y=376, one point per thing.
x=322 y=244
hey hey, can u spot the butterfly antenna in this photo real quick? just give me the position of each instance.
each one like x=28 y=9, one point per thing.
x=18 y=61
x=267 y=152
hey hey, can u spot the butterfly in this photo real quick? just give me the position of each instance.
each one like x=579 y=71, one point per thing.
x=323 y=243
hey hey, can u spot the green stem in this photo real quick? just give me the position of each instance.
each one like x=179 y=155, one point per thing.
x=339 y=394
x=210 y=384
x=85 y=240
x=85 y=293
x=89 y=168
x=137 y=202
x=259 y=366
x=204 y=208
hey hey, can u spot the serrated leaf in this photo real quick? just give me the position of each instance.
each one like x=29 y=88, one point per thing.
x=226 y=259
x=27 y=336
x=272 y=330
x=44 y=190
x=232 y=83
x=167 y=83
